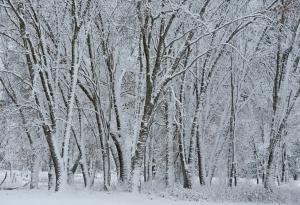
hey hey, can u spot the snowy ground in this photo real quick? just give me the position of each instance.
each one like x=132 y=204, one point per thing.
x=177 y=196
x=26 y=197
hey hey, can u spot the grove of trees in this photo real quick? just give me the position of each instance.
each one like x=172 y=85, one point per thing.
x=175 y=92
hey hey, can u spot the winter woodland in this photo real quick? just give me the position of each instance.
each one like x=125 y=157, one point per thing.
x=145 y=95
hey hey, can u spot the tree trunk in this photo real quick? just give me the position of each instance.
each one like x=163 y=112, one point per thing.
x=187 y=183
x=270 y=159
x=51 y=174
x=35 y=169
x=200 y=158
x=169 y=109
x=232 y=178
x=137 y=159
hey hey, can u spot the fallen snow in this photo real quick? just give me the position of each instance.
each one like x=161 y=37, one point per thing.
x=76 y=195
x=43 y=197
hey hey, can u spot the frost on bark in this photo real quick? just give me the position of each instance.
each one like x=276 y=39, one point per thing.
x=169 y=119
x=232 y=175
x=34 y=171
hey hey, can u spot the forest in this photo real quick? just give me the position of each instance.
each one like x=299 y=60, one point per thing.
x=196 y=99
